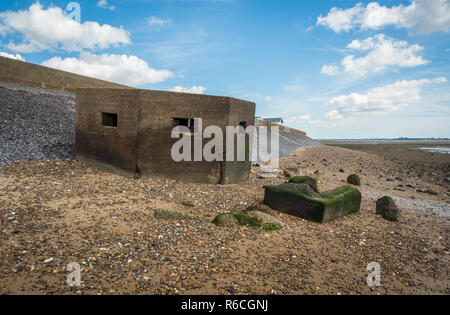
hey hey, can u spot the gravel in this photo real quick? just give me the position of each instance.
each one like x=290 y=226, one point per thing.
x=36 y=124
x=63 y=212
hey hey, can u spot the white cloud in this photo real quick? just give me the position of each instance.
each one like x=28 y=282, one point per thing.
x=104 y=4
x=294 y=88
x=341 y=20
x=298 y=120
x=330 y=70
x=426 y=16
x=129 y=70
x=45 y=29
x=383 y=53
x=193 y=90
x=3 y=30
x=12 y=56
x=376 y=101
x=157 y=21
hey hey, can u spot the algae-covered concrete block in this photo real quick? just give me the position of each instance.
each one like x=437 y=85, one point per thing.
x=305 y=180
x=301 y=201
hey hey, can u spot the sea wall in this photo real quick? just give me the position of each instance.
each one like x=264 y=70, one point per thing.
x=263 y=123
x=28 y=74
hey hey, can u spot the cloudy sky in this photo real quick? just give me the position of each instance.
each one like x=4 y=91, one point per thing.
x=336 y=69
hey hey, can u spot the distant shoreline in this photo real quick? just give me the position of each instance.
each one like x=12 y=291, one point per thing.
x=386 y=141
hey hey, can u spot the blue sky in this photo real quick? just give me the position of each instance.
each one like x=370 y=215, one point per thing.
x=336 y=69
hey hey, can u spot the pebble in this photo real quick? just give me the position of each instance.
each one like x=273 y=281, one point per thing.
x=36 y=126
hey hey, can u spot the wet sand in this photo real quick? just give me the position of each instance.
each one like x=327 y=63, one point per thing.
x=432 y=167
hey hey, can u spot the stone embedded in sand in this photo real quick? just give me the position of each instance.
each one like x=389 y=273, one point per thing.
x=302 y=201
x=305 y=180
x=431 y=192
x=261 y=208
x=176 y=215
x=226 y=219
x=266 y=176
x=263 y=220
x=188 y=204
x=387 y=208
x=354 y=179
x=291 y=172
x=251 y=218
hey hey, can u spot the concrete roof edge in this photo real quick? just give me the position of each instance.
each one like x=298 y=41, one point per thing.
x=164 y=91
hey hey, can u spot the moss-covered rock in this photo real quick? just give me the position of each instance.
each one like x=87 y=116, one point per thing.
x=305 y=180
x=176 y=215
x=188 y=204
x=354 y=179
x=261 y=208
x=300 y=200
x=262 y=220
x=226 y=219
x=256 y=219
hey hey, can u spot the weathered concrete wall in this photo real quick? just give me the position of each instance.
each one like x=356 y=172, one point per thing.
x=142 y=141
x=240 y=112
x=108 y=148
x=28 y=74
x=156 y=124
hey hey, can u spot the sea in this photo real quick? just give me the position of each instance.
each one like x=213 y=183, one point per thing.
x=443 y=150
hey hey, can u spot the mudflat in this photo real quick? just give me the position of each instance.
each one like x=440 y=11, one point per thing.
x=418 y=158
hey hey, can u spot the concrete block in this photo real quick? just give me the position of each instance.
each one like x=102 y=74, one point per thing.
x=302 y=201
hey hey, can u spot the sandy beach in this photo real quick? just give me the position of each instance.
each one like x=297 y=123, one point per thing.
x=57 y=212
